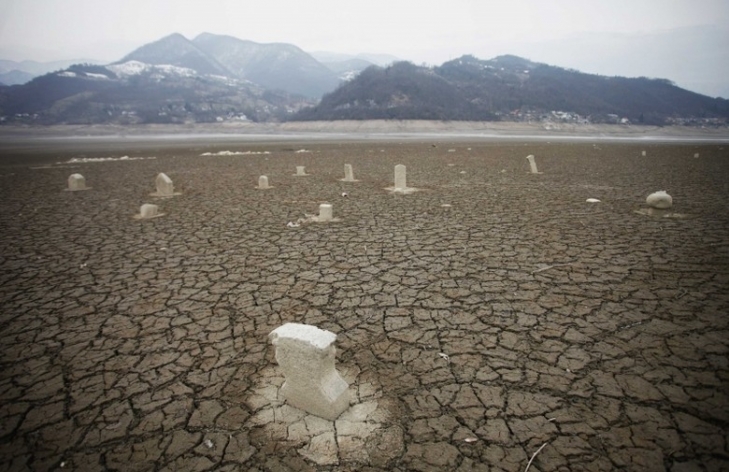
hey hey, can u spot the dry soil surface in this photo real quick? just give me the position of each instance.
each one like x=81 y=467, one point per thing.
x=480 y=318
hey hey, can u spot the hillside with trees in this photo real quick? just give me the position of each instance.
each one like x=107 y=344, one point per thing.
x=509 y=87
x=89 y=94
x=218 y=78
x=402 y=91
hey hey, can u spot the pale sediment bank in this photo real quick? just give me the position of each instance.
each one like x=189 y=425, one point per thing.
x=371 y=129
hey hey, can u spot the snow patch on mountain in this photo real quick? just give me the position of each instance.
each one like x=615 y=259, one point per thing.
x=349 y=75
x=130 y=68
x=176 y=70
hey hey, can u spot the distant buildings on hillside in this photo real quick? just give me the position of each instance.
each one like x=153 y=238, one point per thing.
x=534 y=116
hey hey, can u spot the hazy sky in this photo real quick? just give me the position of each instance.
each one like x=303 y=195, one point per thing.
x=682 y=40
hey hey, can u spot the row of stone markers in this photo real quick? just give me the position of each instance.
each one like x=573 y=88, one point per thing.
x=164 y=188
x=76 y=182
x=301 y=172
x=163 y=183
x=325 y=209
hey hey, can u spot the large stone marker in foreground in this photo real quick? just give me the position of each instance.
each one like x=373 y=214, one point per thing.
x=306 y=356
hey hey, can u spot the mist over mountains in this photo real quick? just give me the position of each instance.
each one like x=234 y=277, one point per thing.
x=217 y=78
x=20 y=72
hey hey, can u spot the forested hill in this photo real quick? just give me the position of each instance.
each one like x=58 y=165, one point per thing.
x=509 y=87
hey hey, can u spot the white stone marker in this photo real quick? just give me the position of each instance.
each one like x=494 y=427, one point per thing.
x=164 y=185
x=643 y=153
x=306 y=356
x=400 y=177
x=147 y=211
x=77 y=182
x=532 y=164
x=660 y=200
x=696 y=155
x=300 y=170
x=325 y=212
x=263 y=182
x=348 y=173
x=401 y=186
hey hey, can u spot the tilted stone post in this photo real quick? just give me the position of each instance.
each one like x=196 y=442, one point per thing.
x=532 y=164
x=306 y=356
x=165 y=188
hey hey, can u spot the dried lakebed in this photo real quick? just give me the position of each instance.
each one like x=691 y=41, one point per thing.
x=488 y=314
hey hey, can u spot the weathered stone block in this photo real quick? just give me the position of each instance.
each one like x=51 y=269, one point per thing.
x=77 y=182
x=660 y=200
x=306 y=356
x=147 y=211
x=164 y=186
x=325 y=212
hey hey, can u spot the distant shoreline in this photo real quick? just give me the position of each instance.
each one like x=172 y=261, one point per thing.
x=360 y=130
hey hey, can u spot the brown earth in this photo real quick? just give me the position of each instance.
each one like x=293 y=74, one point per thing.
x=518 y=316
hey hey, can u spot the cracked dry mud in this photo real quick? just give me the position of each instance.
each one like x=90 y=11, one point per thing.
x=487 y=314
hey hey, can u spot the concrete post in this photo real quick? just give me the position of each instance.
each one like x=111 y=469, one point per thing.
x=306 y=356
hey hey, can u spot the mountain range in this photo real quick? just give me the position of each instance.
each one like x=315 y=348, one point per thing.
x=510 y=87
x=220 y=78
x=177 y=80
